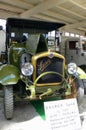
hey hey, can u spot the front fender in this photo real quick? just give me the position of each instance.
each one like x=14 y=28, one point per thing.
x=9 y=74
x=81 y=73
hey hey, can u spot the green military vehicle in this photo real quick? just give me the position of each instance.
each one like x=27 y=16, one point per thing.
x=30 y=70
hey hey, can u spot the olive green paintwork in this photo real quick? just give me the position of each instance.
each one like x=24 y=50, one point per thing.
x=9 y=74
x=36 y=43
x=16 y=50
x=33 y=45
x=81 y=73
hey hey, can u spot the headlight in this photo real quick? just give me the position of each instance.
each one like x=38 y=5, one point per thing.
x=27 y=69
x=72 y=68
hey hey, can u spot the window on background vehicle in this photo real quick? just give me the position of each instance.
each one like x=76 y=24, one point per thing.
x=84 y=45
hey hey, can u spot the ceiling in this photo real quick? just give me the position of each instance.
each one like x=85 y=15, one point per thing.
x=70 y=12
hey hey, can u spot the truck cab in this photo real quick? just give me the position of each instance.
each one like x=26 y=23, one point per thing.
x=74 y=49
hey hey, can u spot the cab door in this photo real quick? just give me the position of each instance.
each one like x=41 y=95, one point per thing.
x=73 y=51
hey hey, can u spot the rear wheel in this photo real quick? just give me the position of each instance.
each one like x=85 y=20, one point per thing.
x=8 y=102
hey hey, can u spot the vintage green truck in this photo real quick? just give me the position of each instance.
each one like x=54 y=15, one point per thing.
x=31 y=71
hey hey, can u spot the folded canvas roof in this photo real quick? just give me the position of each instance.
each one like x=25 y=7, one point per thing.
x=32 y=25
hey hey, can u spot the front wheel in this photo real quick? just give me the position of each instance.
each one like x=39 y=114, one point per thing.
x=77 y=91
x=8 y=101
x=84 y=85
x=80 y=94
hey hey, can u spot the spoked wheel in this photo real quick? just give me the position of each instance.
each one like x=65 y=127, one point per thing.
x=8 y=102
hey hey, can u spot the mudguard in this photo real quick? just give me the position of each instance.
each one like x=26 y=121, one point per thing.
x=81 y=73
x=9 y=74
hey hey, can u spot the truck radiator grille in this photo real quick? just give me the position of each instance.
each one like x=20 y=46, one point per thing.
x=46 y=64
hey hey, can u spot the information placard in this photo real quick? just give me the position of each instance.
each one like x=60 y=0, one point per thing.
x=62 y=115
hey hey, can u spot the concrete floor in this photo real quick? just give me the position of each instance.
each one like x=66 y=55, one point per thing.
x=26 y=117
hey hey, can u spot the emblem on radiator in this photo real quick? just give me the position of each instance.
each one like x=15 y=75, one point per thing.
x=44 y=64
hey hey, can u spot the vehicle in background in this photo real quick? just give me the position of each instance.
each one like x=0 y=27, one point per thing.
x=32 y=71
x=74 y=50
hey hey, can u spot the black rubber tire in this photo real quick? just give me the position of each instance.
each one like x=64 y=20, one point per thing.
x=8 y=102
x=84 y=84
x=84 y=81
x=80 y=94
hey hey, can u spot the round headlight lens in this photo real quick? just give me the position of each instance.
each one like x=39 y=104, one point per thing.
x=72 y=68
x=27 y=69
